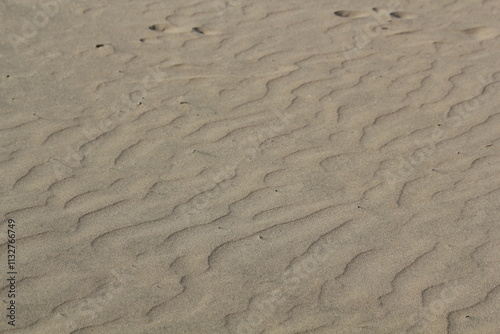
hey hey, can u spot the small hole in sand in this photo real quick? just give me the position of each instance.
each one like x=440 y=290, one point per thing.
x=198 y=30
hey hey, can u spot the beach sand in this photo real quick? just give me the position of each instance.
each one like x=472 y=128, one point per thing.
x=236 y=166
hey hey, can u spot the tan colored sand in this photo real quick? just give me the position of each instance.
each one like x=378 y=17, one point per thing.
x=251 y=166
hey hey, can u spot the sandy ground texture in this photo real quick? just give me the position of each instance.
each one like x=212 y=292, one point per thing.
x=237 y=166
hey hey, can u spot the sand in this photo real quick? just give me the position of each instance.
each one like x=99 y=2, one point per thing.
x=237 y=166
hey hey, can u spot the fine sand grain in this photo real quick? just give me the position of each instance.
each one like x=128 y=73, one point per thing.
x=238 y=166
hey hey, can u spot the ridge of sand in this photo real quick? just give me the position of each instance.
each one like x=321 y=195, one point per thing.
x=252 y=166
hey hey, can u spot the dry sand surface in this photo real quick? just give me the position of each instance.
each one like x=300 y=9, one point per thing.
x=238 y=166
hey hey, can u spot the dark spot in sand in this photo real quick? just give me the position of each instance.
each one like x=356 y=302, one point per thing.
x=198 y=30
x=342 y=13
